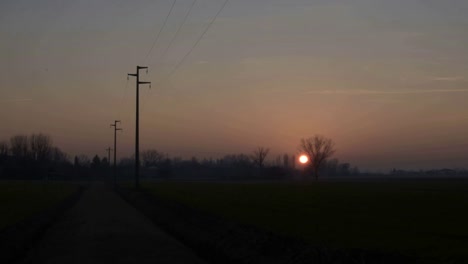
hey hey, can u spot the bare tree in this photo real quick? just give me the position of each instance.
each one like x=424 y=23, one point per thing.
x=58 y=156
x=40 y=147
x=96 y=163
x=319 y=149
x=286 y=161
x=3 y=149
x=259 y=155
x=19 y=146
x=152 y=157
x=237 y=160
x=105 y=162
x=82 y=161
x=127 y=161
x=278 y=161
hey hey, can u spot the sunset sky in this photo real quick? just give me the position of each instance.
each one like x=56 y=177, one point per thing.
x=387 y=80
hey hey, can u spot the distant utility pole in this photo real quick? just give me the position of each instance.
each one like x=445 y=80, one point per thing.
x=137 y=125
x=108 y=154
x=115 y=148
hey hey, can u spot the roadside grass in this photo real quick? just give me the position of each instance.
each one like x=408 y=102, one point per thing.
x=20 y=200
x=425 y=219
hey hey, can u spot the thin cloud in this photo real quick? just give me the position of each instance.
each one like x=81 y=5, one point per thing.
x=448 y=79
x=377 y=92
x=250 y=60
x=16 y=100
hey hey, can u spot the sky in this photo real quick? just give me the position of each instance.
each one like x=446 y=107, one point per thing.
x=387 y=80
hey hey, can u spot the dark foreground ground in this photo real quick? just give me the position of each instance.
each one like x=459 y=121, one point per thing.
x=384 y=221
x=103 y=228
x=220 y=239
x=358 y=222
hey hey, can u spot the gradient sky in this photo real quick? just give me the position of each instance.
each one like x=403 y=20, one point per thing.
x=386 y=79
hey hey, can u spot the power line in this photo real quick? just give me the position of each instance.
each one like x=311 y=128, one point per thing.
x=196 y=43
x=161 y=29
x=174 y=37
x=178 y=29
x=198 y=40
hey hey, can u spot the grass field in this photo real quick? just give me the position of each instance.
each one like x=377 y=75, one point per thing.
x=426 y=219
x=19 y=200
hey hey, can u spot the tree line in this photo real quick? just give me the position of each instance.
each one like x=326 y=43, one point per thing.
x=257 y=165
x=36 y=157
x=30 y=156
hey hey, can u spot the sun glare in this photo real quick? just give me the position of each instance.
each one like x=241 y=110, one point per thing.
x=303 y=159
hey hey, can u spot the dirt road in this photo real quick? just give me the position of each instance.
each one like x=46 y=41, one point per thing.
x=103 y=228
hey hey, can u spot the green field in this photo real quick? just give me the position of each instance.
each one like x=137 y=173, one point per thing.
x=427 y=219
x=19 y=200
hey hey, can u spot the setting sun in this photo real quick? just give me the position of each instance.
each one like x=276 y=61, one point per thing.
x=303 y=159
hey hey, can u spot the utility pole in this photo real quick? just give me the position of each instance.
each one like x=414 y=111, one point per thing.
x=108 y=161
x=137 y=125
x=108 y=154
x=115 y=149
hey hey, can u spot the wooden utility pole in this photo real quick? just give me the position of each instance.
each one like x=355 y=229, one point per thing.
x=108 y=154
x=137 y=125
x=115 y=148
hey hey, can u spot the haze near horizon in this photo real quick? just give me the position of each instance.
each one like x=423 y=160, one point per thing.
x=386 y=80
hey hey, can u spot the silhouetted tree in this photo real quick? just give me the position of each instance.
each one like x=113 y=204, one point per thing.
x=127 y=161
x=176 y=161
x=239 y=160
x=152 y=158
x=207 y=162
x=82 y=161
x=96 y=163
x=3 y=155
x=259 y=155
x=58 y=156
x=344 y=169
x=19 y=146
x=165 y=167
x=355 y=171
x=40 y=147
x=332 y=167
x=33 y=157
x=3 y=149
x=195 y=161
x=319 y=149
x=278 y=161
x=105 y=162
x=286 y=161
